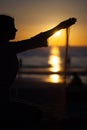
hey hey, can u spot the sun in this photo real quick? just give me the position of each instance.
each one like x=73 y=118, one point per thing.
x=53 y=40
x=57 y=39
x=56 y=34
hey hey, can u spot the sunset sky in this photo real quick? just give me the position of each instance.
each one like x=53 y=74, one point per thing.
x=35 y=16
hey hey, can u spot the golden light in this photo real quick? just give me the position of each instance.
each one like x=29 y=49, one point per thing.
x=54 y=78
x=55 y=62
x=58 y=33
x=57 y=38
x=54 y=59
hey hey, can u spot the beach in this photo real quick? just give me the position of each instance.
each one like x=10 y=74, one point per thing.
x=49 y=97
x=60 y=105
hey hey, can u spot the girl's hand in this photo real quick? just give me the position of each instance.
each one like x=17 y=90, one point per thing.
x=67 y=23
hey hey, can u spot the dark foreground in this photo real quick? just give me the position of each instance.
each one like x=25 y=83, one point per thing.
x=46 y=106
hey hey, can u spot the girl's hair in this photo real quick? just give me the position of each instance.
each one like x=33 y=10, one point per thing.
x=5 y=21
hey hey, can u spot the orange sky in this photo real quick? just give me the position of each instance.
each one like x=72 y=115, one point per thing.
x=35 y=16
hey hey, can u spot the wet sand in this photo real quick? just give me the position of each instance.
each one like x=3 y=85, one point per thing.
x=59 y=105
x=49 y=97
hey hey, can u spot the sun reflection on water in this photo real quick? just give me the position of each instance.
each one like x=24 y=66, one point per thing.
x=55 y=62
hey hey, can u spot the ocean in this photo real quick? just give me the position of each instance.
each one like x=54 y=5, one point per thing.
x=45 y=64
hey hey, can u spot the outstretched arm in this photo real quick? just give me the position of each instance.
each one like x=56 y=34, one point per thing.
x=40 y=40
x=65 y=24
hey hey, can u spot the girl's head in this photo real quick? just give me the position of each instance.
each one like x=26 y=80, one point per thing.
x=7 y=28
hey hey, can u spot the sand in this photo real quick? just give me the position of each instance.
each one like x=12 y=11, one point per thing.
x=60 y=105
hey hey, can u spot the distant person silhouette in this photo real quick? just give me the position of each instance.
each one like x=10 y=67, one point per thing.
x=9 y=49
x=76 y=82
